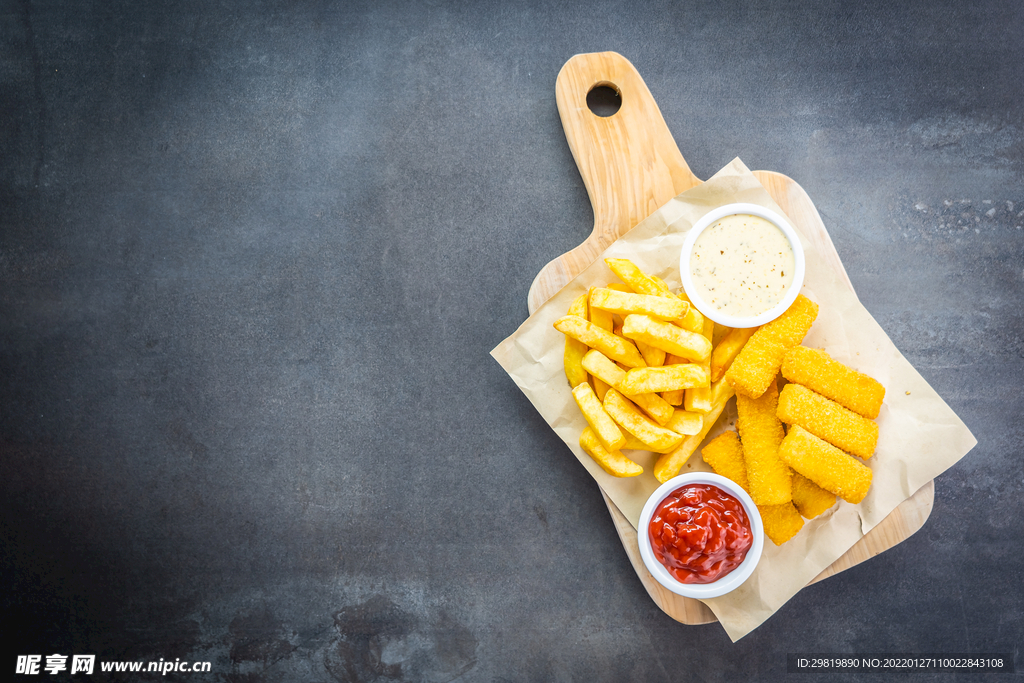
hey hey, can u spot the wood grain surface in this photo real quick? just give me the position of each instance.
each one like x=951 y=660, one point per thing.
x=631 y=166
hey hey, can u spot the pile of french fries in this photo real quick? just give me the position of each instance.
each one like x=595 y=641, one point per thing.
x=649 y=372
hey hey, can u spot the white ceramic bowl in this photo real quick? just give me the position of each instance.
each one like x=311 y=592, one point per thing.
x=730 y=581
x=709 y=219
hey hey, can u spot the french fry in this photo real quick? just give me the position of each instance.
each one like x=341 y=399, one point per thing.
x=669 y=464
x=693 y=321
x=634 y=444
x=825 y=465
x=758 y=363
x=817 y=371
x=780 y=522
x=638 y=280
x=727 y=350
x=698 y=399
x=674 y=340
x=685 y=423
x=599 y=317
x=620 y=287
x=600 y=388
x=608 y=373
x=612 y=462
x=604 y=427
x=660 y=307
x=725 y=456
x=673 y=397
x=810 y=499
x=665 y=378
x=654 y=357
x=828 y=420
x=609 y=344
x=761 y=432
x=720 y=332
x=629 y=417
x=575 y=349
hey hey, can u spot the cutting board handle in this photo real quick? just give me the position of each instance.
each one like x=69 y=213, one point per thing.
x=629 y=161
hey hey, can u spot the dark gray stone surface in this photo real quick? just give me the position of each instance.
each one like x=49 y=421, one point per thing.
x=253 y=257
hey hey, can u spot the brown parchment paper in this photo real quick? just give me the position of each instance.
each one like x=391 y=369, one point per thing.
x=919 y=435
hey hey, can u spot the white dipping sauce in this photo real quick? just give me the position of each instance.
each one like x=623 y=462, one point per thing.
x=742 y=265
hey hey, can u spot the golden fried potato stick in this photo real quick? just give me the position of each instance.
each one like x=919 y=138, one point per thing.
x=638 y=280
x=609 y=344
x=654 y=357
x=727 y=350
x=698 y=399
x=673 y=397
x=817 y=371
x=825 y=465
x=668 y=464
x=781 y=522
x=629 y=417
x=575 y=349
x=725 y=455
x=634 y=444
x=604 y=427
x=828 y=420
x=693 y=320
x=757 y=364
x=608 y=373
x=599 y=317
x=665 y=378
x=619 y=287
x=642 y=283
x=810 y=499
x=666 y=336
x=600 y=387
x=660 y=307
x=761 y=432
x=686 y=423
x=612 y=462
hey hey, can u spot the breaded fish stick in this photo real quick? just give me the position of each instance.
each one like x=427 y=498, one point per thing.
x=825 y=465
x=781 y=522
x=612 y=462
x=810 y=499
x=828 y=420
x=816 y=370
x=757 y=364
x=761 y=432
x=725 y=455
x=727 y=350
x=668 y=464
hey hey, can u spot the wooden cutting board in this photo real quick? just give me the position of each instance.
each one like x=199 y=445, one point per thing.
x=631 y=166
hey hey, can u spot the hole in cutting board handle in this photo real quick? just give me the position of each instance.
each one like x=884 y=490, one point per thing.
x=604 y=99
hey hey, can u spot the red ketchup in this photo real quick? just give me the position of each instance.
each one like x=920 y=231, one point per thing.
x=700 y=533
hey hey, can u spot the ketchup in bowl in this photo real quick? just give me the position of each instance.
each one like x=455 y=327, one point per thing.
x=700 y=533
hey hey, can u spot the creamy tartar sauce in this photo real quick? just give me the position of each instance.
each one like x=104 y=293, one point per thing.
x=742 y=265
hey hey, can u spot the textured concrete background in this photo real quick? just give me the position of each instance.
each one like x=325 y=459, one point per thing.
x=253 y=257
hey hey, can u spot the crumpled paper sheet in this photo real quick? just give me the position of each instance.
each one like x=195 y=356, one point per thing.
x=919 y=435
